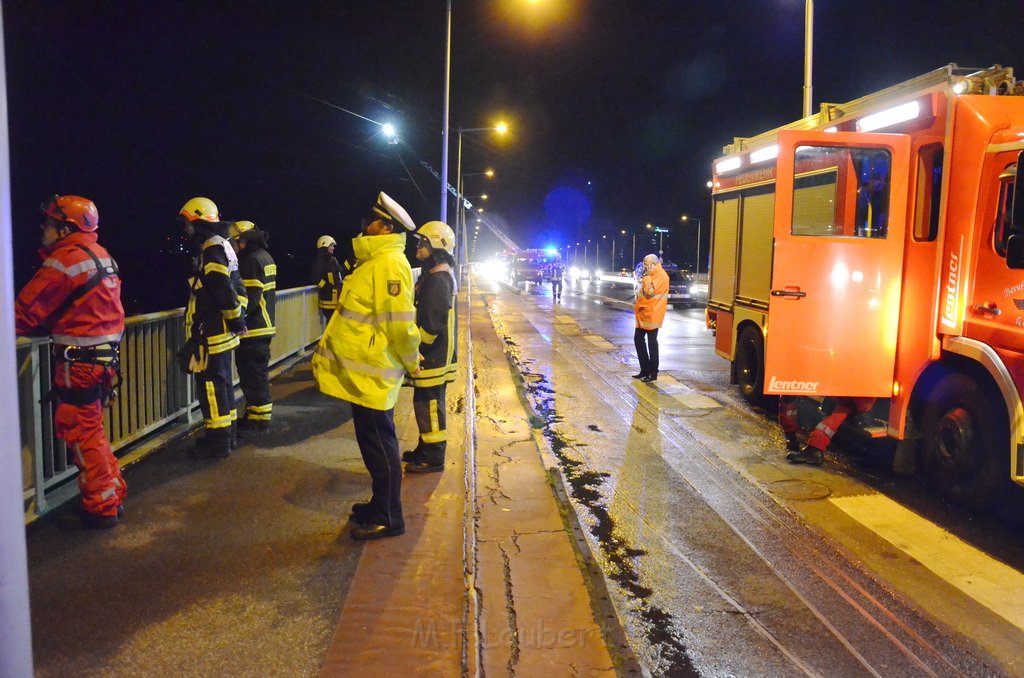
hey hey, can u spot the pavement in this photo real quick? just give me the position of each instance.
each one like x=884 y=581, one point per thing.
x=244 y=566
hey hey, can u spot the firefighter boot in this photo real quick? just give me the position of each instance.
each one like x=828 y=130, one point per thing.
x=808 y=455
x=792 y=442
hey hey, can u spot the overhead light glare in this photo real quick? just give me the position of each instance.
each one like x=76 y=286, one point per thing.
x=763 y=154
x=728 y=165
x=889 y=117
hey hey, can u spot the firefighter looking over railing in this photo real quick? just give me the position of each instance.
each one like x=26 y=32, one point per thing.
x=75 y=297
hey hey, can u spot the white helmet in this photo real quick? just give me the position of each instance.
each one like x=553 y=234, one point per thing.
x=439 y=235
x=325 y=241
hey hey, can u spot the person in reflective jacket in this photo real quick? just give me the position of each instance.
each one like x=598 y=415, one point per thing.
x=75 y=297
x=651 y=304
x=215 y=313
x=326 y=276
x=368 y=346
x=435 y=316
x=259 y=277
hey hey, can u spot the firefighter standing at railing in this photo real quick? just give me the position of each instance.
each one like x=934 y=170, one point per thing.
x=214 y=315
x=326 y=276
x=75 y=297
x=259 y=277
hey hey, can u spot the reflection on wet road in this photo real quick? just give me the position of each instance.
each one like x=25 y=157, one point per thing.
x=682 y=495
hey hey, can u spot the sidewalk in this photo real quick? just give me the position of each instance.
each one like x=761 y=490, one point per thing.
x=491 y=585
x=244 y=566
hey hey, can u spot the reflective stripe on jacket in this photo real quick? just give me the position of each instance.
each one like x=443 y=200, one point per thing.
x=435 y=316
x=95 y=318
x=327 y=277
x=371 y=340
x=652 y=300
x=259 y=276
x=214 y=310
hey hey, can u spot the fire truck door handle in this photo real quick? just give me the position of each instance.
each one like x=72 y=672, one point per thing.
x=788 y=293
x=987 y=309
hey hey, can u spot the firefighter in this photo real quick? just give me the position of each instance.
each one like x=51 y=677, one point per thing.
x=651 y=304
x=326 y=275
x=814 y=451
x=435 y=317
x=259 y=277
x=369 y=345
x=75 y=298
x=215 y=315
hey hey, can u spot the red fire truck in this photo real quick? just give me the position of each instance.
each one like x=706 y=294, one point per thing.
x=874 y=249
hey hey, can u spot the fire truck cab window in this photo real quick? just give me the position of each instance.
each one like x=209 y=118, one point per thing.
x=1004 y=217
x=841 y=192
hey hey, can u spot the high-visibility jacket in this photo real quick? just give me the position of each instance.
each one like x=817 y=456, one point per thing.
x=652 y=300
x=94 y=318
x=371 y=340
x=327 y=277
x=435 y=316
x=214 y=309
x=259 y=276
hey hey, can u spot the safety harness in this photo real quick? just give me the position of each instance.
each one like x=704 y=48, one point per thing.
x=106 y=354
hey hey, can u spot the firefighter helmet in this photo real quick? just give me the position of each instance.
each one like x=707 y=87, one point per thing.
x=200 y=209
x=73 y=209
x=439 y=235
x=240 y=227
x=325 y=241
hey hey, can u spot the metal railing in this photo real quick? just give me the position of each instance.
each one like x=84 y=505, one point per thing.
x=153 y=394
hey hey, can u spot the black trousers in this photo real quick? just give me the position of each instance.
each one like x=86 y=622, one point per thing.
x=556 y=289
x=429 y=406
x=646 y=342
x=217 y=394
x=378 y=443
x=253 y=359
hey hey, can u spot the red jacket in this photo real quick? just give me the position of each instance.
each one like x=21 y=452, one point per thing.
x=95 y=318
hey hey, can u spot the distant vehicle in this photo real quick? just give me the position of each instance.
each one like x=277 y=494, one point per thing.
x=682 y=290
x=533 y=266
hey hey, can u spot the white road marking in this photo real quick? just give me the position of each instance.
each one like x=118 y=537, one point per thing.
x=991 y=583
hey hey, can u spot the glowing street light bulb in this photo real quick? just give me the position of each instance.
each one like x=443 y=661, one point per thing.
x=501 y=127
x=389 y=130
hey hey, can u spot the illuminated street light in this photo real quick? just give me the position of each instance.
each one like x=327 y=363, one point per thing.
x=460 y=220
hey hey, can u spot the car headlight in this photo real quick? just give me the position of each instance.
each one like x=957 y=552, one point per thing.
x=693 y=289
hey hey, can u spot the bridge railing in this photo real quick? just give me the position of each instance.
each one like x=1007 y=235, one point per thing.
x=153 y=394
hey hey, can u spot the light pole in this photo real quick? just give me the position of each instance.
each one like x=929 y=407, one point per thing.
x=808 y=53
x=444 y=117
x=460 y=225
x=685 y=218
x=661 y=239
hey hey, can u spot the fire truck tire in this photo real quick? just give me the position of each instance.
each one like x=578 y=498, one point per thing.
x=962 y=454
x=749 y=365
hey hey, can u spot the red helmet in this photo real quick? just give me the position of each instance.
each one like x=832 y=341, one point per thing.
x=73 y=208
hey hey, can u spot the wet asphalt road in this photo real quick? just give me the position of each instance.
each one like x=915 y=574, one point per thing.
x=712 y=574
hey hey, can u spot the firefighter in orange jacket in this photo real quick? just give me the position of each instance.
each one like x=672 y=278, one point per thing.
x=651 y=303
x=76 y=299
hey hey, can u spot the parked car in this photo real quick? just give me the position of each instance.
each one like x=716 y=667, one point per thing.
x=682 y=288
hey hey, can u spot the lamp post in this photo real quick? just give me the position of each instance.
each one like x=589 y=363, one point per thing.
x=460 y=226
x=808 y=53
x=685 y=218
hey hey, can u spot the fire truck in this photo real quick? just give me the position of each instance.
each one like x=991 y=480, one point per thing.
x=875 y=249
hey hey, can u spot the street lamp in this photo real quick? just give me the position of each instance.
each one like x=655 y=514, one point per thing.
x=661 y=239
x=460 y=225
x=808 y=53
x=685 y=218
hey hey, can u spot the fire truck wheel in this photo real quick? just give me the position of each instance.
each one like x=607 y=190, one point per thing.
x=962 y=454
x=749 y=365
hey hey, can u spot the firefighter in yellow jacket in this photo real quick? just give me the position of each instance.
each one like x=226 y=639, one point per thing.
x=368 y=346
x=651 y=304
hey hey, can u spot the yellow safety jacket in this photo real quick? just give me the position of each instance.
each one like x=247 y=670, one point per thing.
x=371 y=340
x=652 y=300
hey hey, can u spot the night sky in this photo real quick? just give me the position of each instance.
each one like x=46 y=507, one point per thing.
x=617 y=107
